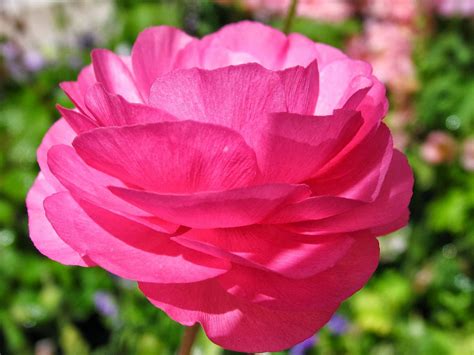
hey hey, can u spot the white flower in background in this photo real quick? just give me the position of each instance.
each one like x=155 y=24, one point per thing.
x=49 y=27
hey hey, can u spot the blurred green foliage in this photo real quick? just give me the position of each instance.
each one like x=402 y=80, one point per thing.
x=419 y=302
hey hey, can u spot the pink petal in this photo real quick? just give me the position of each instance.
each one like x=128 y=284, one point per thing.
x=207 y=53
x=155 y=52
x=42 y=234
x=302 y=51
x=388 y=209
x=233 y=323
x=113 y=110
x=230 y=208
x=356 y=92
x=264 y=43
x=76 y=90
x=334 y=80
x=252 y=42
x=126 y=248
x=111 y=71
x=349 y=84
x=170 y=156
x=330 y=286
x=313 y=208
x=242 y=322
x=301 y=88
x=237 y=97
x=86 y=183
x=360 y=173
x=391 y=227
x=292 y=148
x=59 y=133
x=80 y=123
x=269 y=248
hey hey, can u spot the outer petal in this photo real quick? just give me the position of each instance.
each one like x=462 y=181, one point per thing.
x=59 y=133
x=234 y=323
x=252 y=42
x=126 y=248
x=170 y=156
x=78 y=121
x=387 y=210
x=86 y=183
x=208 y=54
x=244 y=323
x=269 y=248
x=155 y=52
x=248 y=40
x=230 y=208
x=113 y=110
x=42 y=234
x=112 y=72
x=76 y=90
x=302 y=51
x=335 y=78
x=332 y=285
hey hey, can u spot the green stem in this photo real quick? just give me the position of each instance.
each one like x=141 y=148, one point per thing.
x=187 y=341
x=290 y=16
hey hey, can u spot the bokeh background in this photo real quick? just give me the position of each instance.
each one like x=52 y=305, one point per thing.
x=420 y=300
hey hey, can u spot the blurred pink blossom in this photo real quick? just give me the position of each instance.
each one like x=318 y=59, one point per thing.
x=467 y=158
x=399 y=10
x=401 y=118
x=401 y=139
x=325 y=10
x=454 y=7
x=439 y=147
x=388 y=47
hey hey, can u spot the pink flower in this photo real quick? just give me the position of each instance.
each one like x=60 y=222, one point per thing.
x=439 y=147
x=454 y=7
x=467 y=158
x=241 y=179
x=399 y=10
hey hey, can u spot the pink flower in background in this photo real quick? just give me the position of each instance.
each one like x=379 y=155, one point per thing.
x=439 y=147
x=454 y=7
x=398 y=10
x=324 y=10
x=388 y=47
x=467 y=158
x=240 y=179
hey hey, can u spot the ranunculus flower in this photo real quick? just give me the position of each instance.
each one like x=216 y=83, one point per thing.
x=240 y=179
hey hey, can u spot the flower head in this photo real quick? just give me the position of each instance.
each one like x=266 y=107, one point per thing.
x=240 y=179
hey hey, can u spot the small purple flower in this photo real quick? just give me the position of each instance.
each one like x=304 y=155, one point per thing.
x=9 y=51
x=105 y=304
x=304 y=346
x=33 y=61
x=338 y=325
